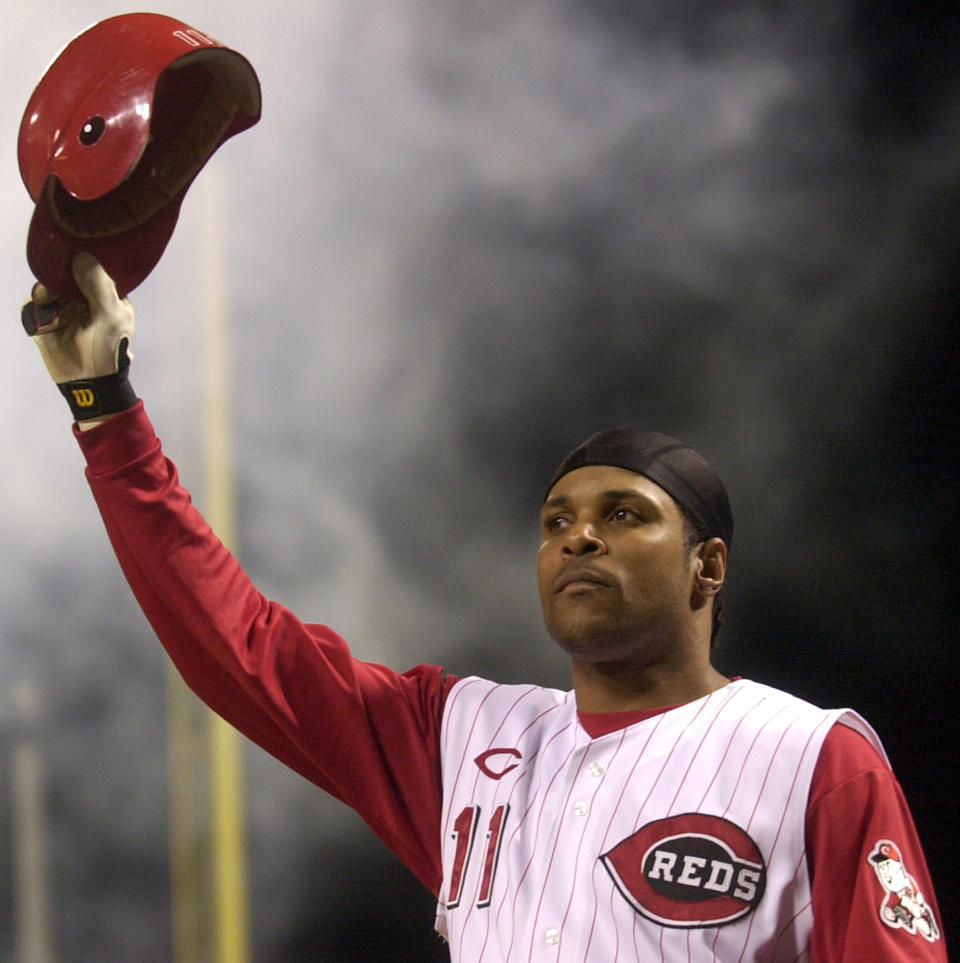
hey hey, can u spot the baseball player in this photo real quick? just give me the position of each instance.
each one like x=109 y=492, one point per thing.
x=657 y=811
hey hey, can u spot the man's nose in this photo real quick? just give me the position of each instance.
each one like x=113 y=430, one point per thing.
x=583 y=539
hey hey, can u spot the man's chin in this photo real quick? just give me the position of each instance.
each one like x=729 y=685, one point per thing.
x=591 y=642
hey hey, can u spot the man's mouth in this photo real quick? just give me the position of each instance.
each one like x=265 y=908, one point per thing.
x=579 y=580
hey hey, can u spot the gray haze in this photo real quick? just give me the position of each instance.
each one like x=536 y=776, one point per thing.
x=462 y=237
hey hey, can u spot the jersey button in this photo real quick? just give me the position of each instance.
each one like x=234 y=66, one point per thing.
x=552 y=936
x=596 y=769
x=581 y=807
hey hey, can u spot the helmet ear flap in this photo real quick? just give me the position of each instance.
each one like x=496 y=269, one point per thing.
x=119 y=126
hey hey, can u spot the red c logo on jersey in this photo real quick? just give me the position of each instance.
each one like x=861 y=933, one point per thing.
x=688 y=871
x=481 y=761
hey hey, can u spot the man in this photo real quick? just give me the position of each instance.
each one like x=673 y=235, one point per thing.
x=657 y=811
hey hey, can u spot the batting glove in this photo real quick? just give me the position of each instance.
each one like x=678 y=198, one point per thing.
x=85 y=344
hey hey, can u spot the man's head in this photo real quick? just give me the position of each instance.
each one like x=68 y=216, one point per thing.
x=636 y=528
x=679 y=470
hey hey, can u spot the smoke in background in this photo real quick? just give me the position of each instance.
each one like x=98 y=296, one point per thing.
x=462 y=238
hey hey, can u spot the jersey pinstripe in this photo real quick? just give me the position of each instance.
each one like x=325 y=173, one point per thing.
x=677 y=838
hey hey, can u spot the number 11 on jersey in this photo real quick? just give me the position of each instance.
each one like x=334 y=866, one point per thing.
x=464 y=831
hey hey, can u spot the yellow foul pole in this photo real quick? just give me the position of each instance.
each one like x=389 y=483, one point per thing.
x=231 y=926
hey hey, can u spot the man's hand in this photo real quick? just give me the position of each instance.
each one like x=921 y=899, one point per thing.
x=85 y=344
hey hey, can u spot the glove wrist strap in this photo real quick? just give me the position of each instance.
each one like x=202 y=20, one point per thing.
x=93 y=397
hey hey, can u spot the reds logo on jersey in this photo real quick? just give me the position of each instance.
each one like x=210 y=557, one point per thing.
x=496 y=763
x=691 y=870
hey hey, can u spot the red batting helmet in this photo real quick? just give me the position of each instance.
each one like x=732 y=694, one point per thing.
x=120 y=124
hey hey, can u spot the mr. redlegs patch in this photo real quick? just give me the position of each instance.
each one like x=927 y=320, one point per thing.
x=691 y=870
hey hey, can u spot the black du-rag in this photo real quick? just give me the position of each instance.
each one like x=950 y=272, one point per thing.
x=681 y=472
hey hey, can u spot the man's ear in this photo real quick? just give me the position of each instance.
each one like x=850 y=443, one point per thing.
x=712 y=567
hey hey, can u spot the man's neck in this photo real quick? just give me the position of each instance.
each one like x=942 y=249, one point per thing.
x=606 y=687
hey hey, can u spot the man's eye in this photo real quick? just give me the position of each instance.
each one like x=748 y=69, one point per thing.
x=554 y=523
x=623 y=513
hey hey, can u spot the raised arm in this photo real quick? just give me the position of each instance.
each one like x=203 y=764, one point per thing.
x=363 y=732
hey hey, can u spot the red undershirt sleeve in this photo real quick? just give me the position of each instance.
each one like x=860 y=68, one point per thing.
x=364 y=733
x=855 y=806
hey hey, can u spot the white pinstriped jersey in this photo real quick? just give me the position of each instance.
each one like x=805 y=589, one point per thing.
x=678 y=838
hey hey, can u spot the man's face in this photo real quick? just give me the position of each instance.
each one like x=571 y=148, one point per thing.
x=614 y=565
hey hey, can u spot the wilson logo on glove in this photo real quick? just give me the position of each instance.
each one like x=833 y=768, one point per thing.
x=83 y=397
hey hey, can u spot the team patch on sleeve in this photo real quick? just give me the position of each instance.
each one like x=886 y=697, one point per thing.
x=691 y=870
x=903 y=905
